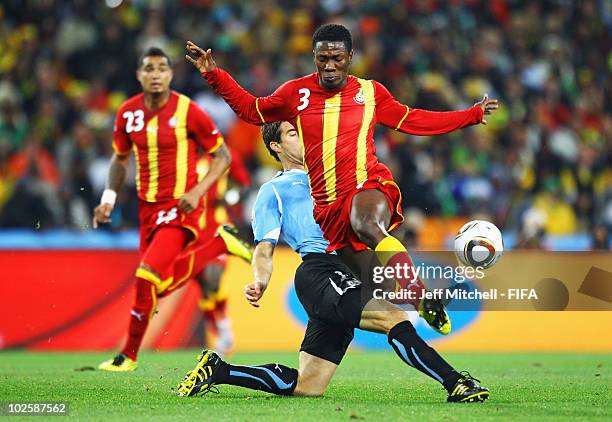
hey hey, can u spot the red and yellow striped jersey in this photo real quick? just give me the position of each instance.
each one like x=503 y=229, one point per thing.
x=165 y=144
x=337 y=127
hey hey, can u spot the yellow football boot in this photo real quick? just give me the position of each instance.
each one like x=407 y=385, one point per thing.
x=120 y=363
x=199 y=380
x=235 y=245
x=432 y=311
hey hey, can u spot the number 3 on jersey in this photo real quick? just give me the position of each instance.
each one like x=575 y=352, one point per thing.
x=304 y=101
x=135 y=121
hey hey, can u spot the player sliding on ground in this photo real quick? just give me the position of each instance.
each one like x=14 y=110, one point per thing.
x=356 y=201
x=165 y=130
x=328 y=291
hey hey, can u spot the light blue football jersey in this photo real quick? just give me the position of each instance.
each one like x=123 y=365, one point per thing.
x=284 y=205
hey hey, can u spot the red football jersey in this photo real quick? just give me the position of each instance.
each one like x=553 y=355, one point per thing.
x=337 y=127
x=165 y=144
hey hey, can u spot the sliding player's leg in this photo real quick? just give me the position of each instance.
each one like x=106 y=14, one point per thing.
x=322 y=350
x=311 y=380
x=152 y=277
x=313 y=376
x=384 y=317
x=211 y=370
x=325 y=341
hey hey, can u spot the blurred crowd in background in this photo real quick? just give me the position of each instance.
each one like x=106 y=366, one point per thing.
x=541 y=165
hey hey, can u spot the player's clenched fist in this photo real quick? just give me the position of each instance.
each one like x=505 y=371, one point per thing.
x=253 y=292
x=201 y=59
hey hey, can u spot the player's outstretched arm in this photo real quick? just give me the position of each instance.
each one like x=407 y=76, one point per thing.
x=219 y=164
x=414 y=121
x=254 y=110
x=262 y=271
x=116 y=176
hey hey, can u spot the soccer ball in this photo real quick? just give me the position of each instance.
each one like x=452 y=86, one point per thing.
x=479 y=244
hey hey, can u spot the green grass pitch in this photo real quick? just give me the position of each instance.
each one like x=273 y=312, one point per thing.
x=367 y=386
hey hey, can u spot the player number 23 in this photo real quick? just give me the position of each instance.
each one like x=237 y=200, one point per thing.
x=135 y=121
x=304 y=95
x=166 y=216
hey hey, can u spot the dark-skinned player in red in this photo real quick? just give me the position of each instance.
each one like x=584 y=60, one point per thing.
x=357 y=202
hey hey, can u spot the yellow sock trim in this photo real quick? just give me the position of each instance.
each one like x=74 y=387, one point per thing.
x=207 y=304
x=160 y=284
x=387 y=248
x=149 y=276
x=165 y=284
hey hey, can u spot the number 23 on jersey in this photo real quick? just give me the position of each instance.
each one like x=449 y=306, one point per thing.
x=134 y=121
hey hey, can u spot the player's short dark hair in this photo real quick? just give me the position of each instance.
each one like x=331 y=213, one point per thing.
x=333 y=32
x=153 y=52
x=270 y=132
